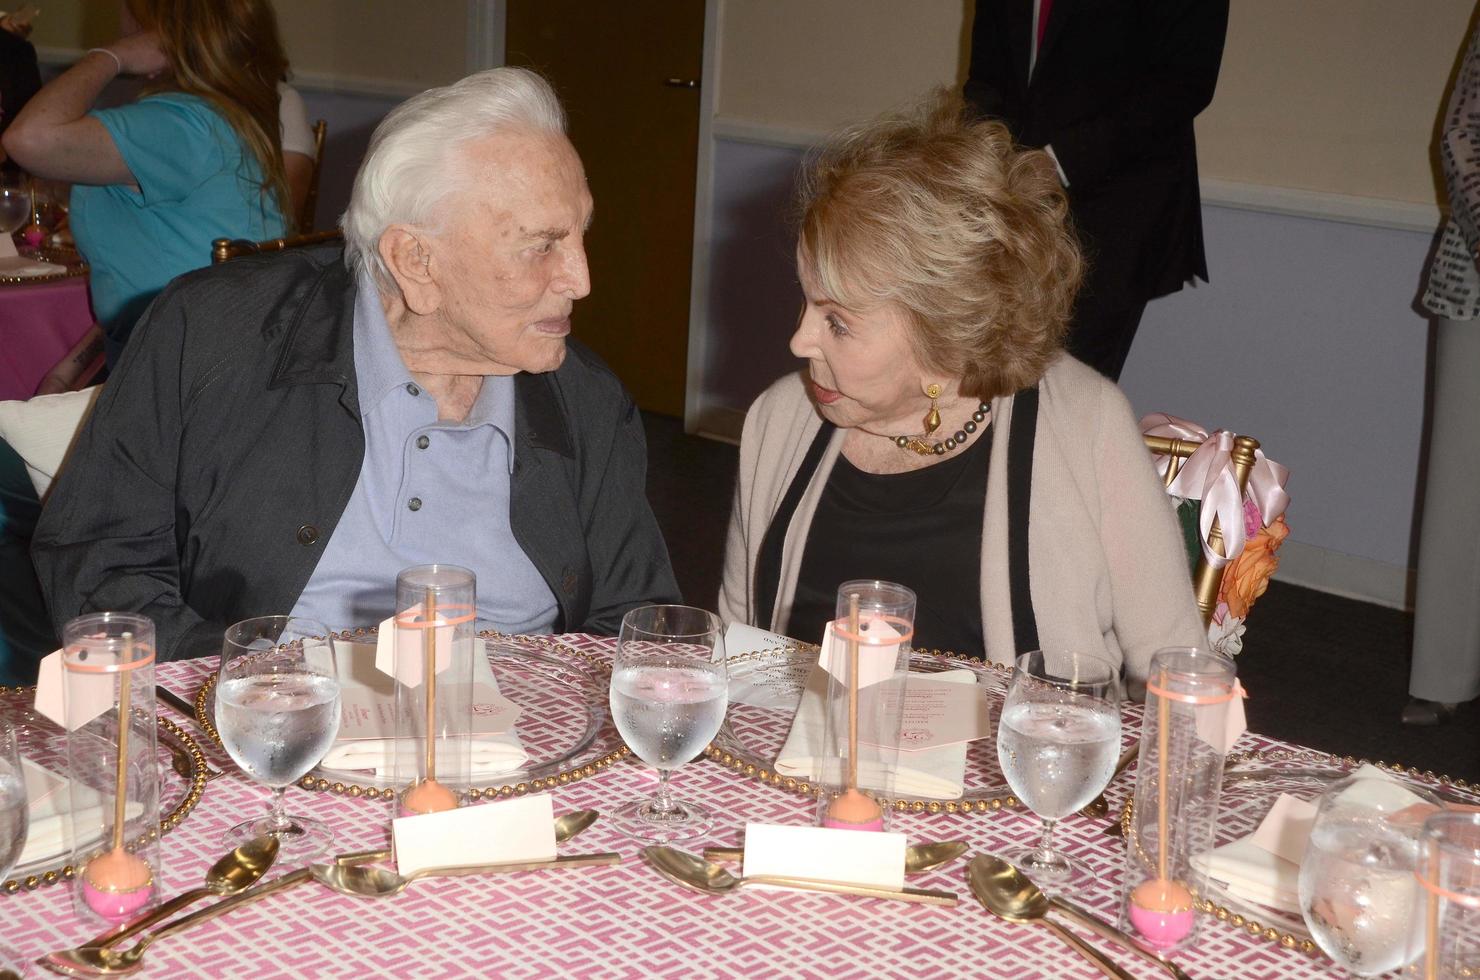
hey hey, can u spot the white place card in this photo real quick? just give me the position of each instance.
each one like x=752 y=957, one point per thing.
x=854 y=857
x=521 y=829
x=91 y=694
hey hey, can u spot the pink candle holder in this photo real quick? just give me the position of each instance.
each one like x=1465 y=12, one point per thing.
x=108 y=705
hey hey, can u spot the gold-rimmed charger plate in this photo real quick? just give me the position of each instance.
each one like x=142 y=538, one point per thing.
x=183 y=772
x=69 y=265
x=1252 y=781
x=753 y=734
x=563 y=722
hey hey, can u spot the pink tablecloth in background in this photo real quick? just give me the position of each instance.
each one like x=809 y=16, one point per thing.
x=39 y=323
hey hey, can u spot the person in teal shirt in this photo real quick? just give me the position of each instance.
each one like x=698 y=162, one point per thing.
x=155 y=181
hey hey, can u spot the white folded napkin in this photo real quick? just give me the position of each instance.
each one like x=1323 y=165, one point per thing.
x=938 y=773
x=17 y=265
x=492 y=755
x=1250 y=870
x=360 y=684
x=50 y=829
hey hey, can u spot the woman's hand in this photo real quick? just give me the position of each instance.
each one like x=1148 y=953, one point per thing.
x=139 y=53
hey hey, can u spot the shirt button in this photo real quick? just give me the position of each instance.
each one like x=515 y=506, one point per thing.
x=422 y=442
x=414 y=503
x=412 y=390
x=307 y=535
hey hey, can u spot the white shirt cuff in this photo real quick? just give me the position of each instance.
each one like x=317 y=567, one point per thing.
x=1063 y=177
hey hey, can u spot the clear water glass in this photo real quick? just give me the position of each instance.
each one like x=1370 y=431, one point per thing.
x=1358 y=892
x=1057 y=742
x=277 y=711
x=15 y=201
x=669 y=693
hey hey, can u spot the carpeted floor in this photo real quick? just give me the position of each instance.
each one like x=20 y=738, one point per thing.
x=1322 y=671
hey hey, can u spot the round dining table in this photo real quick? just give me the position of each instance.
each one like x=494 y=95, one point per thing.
x=626 y=920
x=40 y=321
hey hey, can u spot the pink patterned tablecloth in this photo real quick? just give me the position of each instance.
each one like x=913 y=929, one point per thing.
x=39 y=323
x=622 y=921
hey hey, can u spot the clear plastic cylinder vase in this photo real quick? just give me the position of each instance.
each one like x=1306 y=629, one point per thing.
x=863 y=670
x=1449 y=874
x=113 y=764
x=436 y=641
x=1179 y=778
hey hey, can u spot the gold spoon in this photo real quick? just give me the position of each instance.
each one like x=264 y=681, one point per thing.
x=1016 y=905
x=918 y=858
x=1099 y=806
x=1014 y=886
x=235 y=872
x=91 y=961
x=361 y=881
x=694 y=872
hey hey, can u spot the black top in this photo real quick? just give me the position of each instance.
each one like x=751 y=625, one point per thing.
x=922 y=529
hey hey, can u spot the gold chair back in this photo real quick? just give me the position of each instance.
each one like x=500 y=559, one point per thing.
x=229 y=248
x=311 y=201
x=1206 y=579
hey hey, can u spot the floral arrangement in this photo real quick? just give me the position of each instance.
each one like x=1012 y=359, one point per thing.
x=1245 y=579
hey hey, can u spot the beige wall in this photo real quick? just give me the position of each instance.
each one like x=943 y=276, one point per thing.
x=1331 y=95
x=388 y=43
x=815 y=64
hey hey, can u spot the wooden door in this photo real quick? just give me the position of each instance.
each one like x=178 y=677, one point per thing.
x=638 y=135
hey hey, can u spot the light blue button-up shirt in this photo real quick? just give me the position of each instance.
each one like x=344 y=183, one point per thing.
x=429 y=491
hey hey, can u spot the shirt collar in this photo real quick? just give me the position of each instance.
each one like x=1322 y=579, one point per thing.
x=378 y=365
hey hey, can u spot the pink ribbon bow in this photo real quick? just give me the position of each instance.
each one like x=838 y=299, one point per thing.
x=1208 y=476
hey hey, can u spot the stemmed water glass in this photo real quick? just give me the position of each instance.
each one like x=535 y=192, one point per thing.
x=14 y=818
x=669 y=692
x=1057 y=743
x=1358 y=892
x=15 y=201
x=277 y=711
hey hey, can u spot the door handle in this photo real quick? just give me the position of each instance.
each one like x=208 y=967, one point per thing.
x=682 y=83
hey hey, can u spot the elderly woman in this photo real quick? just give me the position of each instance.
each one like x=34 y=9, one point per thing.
x=198 y=158
x=938 y=435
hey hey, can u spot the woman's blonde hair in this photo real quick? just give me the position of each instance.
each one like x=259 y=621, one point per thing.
x=945 y=218
x=229 y=53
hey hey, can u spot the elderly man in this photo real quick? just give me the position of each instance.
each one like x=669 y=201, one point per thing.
x=288 y=432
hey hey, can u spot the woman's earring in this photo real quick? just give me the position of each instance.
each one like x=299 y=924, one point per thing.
x=932 y=417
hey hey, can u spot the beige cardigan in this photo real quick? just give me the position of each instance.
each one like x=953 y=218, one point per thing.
x=1107 y=568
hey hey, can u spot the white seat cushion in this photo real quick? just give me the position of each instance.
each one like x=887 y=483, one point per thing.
x=41 y=431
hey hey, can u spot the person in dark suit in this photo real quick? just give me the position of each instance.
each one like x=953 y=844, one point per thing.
x=1110 y=89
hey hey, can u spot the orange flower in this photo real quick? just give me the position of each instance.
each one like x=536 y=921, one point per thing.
x=1247 y=576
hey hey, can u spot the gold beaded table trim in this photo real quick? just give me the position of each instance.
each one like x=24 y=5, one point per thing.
x=356 y=791
x=749 y=768
x=185 y=752
x=1253 y=927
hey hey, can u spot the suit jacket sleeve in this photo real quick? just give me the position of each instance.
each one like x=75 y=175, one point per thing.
x=106 y=538
x=1176 y=72
x=629 y=560
x=987 y=77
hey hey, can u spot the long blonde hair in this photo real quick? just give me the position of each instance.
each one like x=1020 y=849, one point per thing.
x=229 y=53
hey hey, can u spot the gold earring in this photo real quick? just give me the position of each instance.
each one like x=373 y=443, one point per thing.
x=932 y=417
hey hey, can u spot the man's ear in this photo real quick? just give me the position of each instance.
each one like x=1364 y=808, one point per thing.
x=407 y=253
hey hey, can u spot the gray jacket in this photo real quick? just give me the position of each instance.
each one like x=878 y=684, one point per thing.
x=225 y=446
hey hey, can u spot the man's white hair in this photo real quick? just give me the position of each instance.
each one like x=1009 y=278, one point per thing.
x=414 y=162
